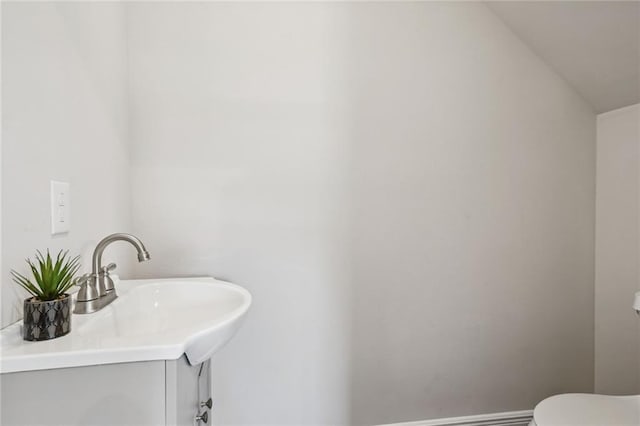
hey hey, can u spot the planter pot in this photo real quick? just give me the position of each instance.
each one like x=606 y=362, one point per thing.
x=46 y=320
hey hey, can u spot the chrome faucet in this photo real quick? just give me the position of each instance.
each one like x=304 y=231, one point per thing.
x=96 y=288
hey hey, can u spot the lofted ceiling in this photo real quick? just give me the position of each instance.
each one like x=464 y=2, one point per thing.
x=594 y=45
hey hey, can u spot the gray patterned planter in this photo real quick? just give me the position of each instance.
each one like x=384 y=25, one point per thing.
x=46 y=320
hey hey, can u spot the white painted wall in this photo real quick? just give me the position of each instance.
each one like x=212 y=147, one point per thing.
x=64 y=117
x=617 y=327
x=474 y=193
x=406 y=189
x=240 y=153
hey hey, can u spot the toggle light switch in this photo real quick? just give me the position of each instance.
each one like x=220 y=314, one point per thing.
x=60 y=208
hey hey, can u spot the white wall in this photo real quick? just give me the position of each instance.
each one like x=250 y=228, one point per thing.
x=240 y=139
x=64 y=117
x=617 y=327
x=474 y=190
x=406 y=189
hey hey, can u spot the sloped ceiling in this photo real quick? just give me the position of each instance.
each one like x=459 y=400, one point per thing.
x=594 y=45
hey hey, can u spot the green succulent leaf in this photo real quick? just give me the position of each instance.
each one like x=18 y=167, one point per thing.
x=51 y=278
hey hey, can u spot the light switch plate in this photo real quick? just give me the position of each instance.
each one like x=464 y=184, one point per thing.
x=60 y=208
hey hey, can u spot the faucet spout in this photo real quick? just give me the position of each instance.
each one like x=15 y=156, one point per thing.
x=143 y=254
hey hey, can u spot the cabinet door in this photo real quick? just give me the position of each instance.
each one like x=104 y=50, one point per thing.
x=114 y=394
x=188 y=390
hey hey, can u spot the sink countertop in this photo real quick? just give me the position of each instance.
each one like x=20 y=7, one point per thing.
x=155 y=319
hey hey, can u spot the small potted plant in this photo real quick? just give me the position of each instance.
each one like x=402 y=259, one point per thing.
x=47 y=314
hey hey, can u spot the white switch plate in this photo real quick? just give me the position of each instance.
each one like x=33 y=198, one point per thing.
x=60 y=208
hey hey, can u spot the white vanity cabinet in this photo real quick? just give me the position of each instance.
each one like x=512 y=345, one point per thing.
x=136 y=393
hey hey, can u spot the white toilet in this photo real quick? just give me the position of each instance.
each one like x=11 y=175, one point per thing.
x=580 y=409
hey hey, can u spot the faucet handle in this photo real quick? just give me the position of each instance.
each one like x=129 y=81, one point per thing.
x=110 y=267
x=105 y=283
x=88 y=289
x=82 y=280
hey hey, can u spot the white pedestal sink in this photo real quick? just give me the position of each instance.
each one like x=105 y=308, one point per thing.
x=151 y=320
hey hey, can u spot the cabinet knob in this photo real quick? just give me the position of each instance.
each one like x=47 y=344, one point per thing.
x=204 y=417
x=208 y=403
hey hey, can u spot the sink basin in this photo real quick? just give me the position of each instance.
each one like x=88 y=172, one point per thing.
x=150 y=320
x=204 y=314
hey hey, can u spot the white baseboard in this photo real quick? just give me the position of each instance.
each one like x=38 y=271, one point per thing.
x=512 y=418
